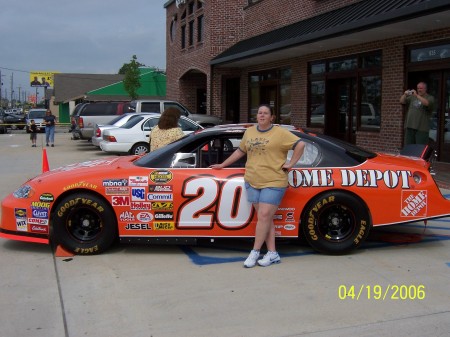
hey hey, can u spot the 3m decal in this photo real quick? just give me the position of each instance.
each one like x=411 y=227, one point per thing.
x=414 y=203
x=120 y=200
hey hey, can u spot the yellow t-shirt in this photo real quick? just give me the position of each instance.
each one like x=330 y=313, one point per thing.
x=266 y=154
x=160 y=138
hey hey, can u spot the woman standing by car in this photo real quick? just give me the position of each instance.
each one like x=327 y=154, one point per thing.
x=167 y=130
x=266 y=177
x=50 y=121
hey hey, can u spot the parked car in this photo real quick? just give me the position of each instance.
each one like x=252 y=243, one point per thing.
x=14 y=120
x=133 y=137
x=38 y=116
x=337 y=193
x=3 y=128
x=115 y=123
x=90 y=114
x=155 y=105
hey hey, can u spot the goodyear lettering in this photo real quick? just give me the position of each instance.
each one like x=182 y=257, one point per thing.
x=80 y=184
x=312 y=218
x=90 y=250
x=74 y=202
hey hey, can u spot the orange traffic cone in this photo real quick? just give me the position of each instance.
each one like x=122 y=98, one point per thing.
x=62 y=252
x=45 y=166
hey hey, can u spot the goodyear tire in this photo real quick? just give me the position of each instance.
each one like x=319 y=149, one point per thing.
x=336 y=223
x=84 y=224
x=140 y=148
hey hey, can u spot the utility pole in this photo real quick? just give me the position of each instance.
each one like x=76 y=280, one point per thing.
x=1 y=83
x=19 y=87
x=12 y=90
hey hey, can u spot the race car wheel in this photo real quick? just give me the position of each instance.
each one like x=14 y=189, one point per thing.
x=84 y=224
x=140 y=148
x=336 y=223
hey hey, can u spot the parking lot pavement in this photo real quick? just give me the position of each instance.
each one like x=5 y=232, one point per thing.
x=397 y=284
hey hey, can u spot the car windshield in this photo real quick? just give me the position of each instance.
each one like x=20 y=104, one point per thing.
x=132 y=122
x=36 y=114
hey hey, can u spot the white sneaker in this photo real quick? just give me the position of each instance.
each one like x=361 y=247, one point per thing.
x=269 y=258
x=251 y=259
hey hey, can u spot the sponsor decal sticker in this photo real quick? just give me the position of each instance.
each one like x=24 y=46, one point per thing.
x=115 y=182
x=21 y=225
x=137 y=194
x=162 y=206
x=40 y=205
x=160 y=188
x=144 y=217
x=160 y=196
x=290 y=217
x=141 y=206
x=166 y=226
x=41 y=213
x=164 y=216
x=34 y=221
x=20 y=213
x=161 y=176
x=138 y=226
x=47 y=197
x=39 y=229
x=126 y=216
x=289 y=227
x=120 y=200
x=138 y=181
x=117 y=190
x=414 y=203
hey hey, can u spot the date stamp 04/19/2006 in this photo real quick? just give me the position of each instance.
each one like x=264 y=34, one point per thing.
x=377 y=292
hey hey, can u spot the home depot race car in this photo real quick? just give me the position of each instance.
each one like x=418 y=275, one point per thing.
x=337 y=192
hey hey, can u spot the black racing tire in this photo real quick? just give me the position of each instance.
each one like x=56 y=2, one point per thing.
x=140 y=148
x=336 y=223
x=84 y=224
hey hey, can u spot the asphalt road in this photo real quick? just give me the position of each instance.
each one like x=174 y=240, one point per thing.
x=397 y=284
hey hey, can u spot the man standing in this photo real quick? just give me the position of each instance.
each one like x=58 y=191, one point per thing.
x=50 y=121
x=417 y=122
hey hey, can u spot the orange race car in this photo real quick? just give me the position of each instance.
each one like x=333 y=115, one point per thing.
x=337 y=192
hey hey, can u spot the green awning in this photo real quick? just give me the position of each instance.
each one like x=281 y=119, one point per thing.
x=153 y=83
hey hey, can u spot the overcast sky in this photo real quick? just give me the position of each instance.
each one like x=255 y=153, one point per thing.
x=81 y=36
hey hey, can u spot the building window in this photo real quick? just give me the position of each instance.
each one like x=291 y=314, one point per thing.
x=191 y=33
x=364 y=93
x=200 y=28
x=183 y=36
x=173 y=29
x=191 y=8
x=438 y=52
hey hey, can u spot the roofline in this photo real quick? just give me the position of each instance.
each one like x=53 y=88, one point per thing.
x=405 y=13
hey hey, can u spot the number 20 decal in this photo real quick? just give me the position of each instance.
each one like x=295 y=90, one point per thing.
x=210 y=201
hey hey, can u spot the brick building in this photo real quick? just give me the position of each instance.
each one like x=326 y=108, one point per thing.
x=335 y=66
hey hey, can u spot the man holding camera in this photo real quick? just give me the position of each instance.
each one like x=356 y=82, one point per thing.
x=417 y=122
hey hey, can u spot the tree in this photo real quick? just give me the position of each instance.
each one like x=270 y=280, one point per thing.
x=131 y=80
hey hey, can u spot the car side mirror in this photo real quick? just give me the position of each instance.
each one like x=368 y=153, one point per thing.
x=184 y=160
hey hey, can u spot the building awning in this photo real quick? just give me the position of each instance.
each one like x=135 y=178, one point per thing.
x=364 y=21
x=153 y=84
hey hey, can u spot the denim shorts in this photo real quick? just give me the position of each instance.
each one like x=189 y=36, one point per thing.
x=267 y=195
